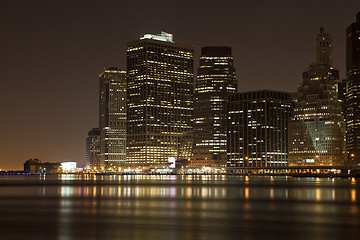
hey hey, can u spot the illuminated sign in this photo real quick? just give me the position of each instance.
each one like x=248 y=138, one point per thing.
x=165 y=37
x=171 y=160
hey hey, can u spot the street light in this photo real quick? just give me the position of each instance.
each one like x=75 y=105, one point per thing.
x=352 y=158
x=247 y=164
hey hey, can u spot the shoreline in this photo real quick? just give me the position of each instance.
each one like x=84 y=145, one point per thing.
x=319 y=175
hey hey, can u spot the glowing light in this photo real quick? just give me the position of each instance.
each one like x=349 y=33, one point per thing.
x=172 y=161
x=68 y=166
x=163 y=36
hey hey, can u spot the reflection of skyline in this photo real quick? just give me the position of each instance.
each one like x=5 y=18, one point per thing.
x=207 y=188
x=199 y=202
x=132 y=207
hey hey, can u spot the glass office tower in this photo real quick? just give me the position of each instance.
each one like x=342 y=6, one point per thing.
x=257 y=129
x=93 y=148
x=160 y=100
x=112 y=117
x=215 y=80
x=353 y=91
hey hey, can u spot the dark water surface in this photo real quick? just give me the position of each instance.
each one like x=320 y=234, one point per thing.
x=70 y=207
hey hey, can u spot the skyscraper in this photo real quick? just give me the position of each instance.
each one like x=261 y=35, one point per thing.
x=353 y=91
x=340 y=85
x=257 y=128
x=215 y=80
x=160 y=100
x=316 y=129
x=93 y=148
x=112 y=117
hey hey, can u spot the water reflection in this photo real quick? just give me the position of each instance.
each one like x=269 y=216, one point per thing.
x=353 y=195
x=353 y=181
x=207 y=187
x=246 y=192
x=180 y=207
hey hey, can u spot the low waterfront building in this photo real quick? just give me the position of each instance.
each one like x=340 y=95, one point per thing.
x=36 y=166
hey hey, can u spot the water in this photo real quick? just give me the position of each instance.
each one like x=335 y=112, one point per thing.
x=68 y=207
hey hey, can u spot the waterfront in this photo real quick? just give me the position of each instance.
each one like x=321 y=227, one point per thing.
x=178 y=207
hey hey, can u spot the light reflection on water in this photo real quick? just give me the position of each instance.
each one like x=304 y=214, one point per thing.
x=161 y=187
x=179 y=207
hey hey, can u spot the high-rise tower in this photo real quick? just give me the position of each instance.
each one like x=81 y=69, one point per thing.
x=353 y=91
x=257 y=128
x=215 y=80
x=93 y=148
x=112 y=117
x=160 y=103
x=316 y=128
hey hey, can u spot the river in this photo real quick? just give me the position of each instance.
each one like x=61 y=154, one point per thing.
x=68 y=207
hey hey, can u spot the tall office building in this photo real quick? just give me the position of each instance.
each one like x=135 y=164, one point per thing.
x=316 y=129
x=257 y=129
x=215 y=80
x=112 y=117
x=160 y=100
x=353 y=91
x=93 y=148
x=340 y=86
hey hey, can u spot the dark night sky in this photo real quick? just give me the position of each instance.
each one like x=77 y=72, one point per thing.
x=53 y=51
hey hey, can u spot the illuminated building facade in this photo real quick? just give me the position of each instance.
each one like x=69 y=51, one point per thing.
x=353 y=91
x=160 y=100
x=316 y=129
x=257 y=128
x=93 y=148
x=340 y=86
x=215 y=80
x=112 y=117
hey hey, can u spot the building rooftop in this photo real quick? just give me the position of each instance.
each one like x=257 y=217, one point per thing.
x=218 y=51
x=163 y=36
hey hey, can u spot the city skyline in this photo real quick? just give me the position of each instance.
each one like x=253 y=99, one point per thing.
x=52 y=66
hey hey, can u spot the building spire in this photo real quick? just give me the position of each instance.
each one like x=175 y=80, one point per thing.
x=323 y=48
